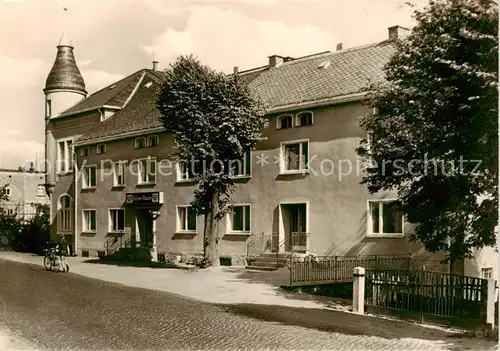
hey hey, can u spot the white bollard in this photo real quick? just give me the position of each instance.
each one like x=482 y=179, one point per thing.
x=490 y=303
x=358 y=290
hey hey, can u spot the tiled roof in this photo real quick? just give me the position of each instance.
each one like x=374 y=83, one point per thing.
x=139 y=114
x=113 y=95
x=64 y=73
x=302 y=80
x=293 y=82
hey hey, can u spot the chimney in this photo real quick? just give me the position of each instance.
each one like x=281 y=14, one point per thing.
x=398 y=32
x=275 y=60
x=339 y=46
x=32 y=168
x=235 y=70
x=155 y=65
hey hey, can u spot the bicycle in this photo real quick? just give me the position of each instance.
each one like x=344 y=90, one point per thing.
x=52 y=260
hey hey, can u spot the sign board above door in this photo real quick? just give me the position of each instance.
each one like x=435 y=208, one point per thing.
x=154 y=198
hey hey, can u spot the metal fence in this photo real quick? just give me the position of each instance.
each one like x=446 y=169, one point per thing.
x=429 y=293
x=326 y=270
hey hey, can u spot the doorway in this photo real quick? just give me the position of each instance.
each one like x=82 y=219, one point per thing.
x=144 y=220
x=294 y=224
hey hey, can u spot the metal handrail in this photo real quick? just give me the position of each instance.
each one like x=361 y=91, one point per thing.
x=262 y=250
x=287 y=239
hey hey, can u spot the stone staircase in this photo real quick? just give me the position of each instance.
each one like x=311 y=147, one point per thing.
x=269 y=262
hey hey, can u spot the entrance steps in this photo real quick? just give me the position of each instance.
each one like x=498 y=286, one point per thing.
x=270 y=261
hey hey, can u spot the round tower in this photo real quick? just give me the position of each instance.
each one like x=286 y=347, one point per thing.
x=64 y=88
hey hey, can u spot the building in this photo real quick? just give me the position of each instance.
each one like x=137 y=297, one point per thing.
x=22 y=188
x=112 y=182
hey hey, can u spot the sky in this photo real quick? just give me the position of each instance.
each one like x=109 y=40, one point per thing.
x=113 y=39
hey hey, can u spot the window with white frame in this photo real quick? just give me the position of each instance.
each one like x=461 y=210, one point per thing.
x=84 y=152
x=239 y=219
x=89 y=220
x=64 y=156
x=140 y=143
x=89 y=177
x=186 y=219
x=101 y=148
x=385 y=218
x=186 y=169
x=6 y=191
x=487 y=273
x=65 y=214
x=153 y=141
x=116 y=220
x=119 y=173
x=284 y=122
x=147 y=170
x=40 y=190
x=304 y=119
x=241 y=167
x=294 y=156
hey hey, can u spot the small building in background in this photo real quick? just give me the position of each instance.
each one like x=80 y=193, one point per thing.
x=23 y=188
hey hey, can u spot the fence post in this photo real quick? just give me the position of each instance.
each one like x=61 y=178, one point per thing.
x=421 y=293
x=490 y=304
x=358 y=290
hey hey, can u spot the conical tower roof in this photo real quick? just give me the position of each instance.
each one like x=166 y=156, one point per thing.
x=65 y=74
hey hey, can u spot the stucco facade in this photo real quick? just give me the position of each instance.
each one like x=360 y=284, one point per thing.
x=315 y=103
x=23 y=188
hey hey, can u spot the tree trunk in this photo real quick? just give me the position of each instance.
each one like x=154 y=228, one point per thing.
x=211 y=243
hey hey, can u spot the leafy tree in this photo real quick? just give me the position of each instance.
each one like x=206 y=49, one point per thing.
x=214 y=119
x=434 y=128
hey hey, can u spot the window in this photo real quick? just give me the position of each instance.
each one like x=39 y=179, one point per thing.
x=186 y=219
x=89 y=221
x=89 y=176
x=294 y=156
x=239 y=219
x=6 y=191
x=304 y=119
x=48 y=108
x=487 y=273
x=140 y=143
x=242 y=167
x=117 y=220
x=64 y=215
x=101 y=149
x=153 y=141
x=147 y=170
x=84 y=152
x=284 y=122
x=385 y=218
x=40 y=190
x=64 y=156
x=119 y=173
x=186 y=169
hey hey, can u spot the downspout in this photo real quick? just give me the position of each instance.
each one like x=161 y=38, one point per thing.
x=75 y=171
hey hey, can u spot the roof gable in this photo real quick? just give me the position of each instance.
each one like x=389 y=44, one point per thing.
x=140 y=113
x=115 y=95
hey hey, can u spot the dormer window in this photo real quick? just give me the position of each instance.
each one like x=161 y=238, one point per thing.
x=140 y=143
x=153 y=141
x=284 y=122
x=101 y=149
x=304 y=119
x=84 y=152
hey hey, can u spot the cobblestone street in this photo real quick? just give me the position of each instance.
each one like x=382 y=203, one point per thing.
x=66 y=311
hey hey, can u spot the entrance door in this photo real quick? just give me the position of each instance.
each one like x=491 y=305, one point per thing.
x=145 y=227
x=295 y=231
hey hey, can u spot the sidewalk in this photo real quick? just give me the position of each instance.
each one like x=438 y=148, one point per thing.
x=217 y=285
